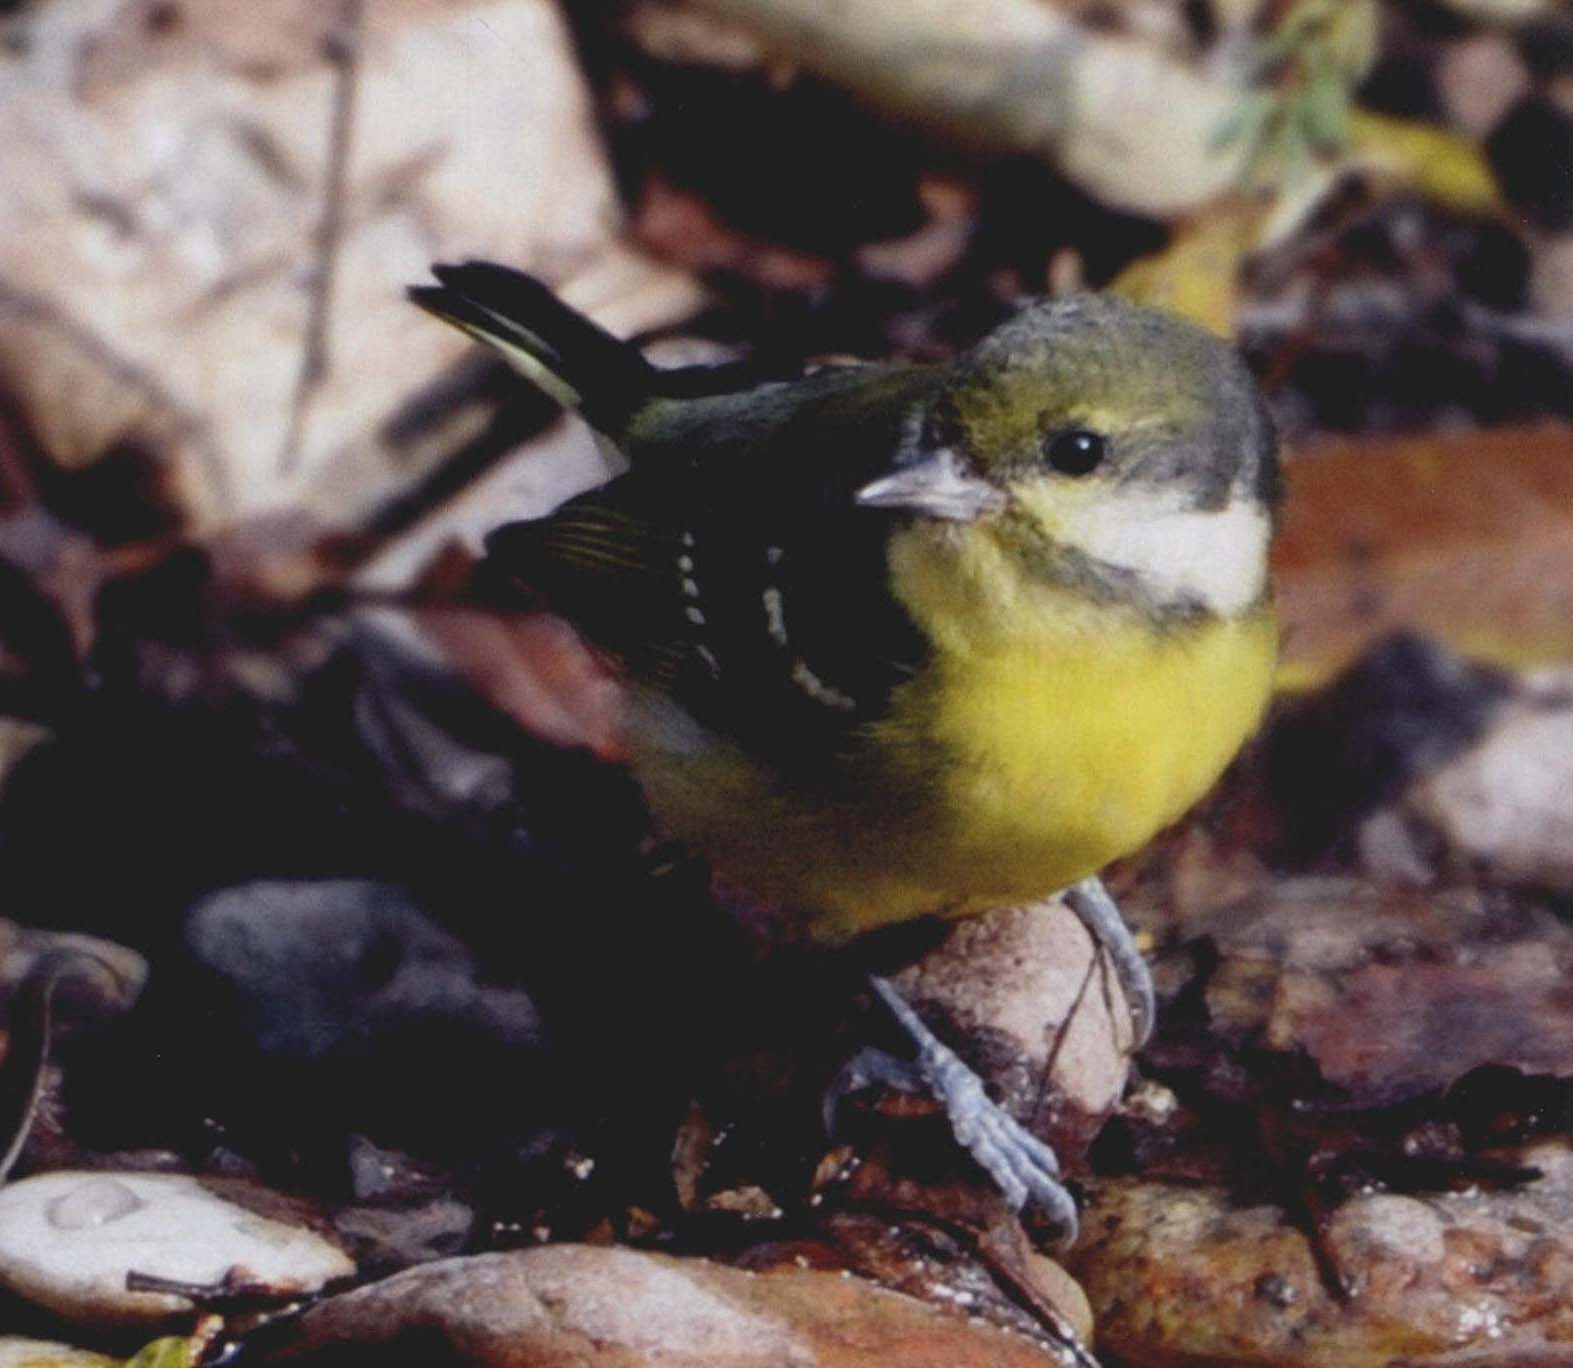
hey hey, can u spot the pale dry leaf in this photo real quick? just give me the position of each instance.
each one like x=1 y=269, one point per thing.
x=160 y=228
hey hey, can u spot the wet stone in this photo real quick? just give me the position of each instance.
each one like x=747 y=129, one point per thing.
x=1181 y=1275
x=68 y=1240
x=618 y=1308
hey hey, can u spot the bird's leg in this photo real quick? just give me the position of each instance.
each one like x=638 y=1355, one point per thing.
x=1100 y=914
x=1022 y=1166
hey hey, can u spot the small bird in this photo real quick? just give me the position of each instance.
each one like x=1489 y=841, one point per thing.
x=912 y=639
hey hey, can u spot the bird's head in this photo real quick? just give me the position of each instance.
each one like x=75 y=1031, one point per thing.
x=1096 y=447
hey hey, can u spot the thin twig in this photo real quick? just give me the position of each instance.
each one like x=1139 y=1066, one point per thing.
x=1062 y=1028
x=30 y=1027
x=342 y=48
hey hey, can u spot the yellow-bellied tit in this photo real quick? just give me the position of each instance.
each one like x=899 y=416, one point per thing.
x=907 y=639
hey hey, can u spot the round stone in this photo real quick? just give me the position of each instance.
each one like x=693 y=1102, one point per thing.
x=68 y=1240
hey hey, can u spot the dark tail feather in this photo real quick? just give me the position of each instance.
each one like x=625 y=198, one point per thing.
x=576 y=362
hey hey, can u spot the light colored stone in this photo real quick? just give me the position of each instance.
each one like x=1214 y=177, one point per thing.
x=1551 y=283
x=1508 y=801
x=1480 y=78
x=31 y=1353
x=1024 y=987
x=68 y=1239
x=619 y=1308
x=1388 y=1223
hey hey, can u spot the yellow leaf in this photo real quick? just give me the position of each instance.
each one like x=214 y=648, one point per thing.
x=1440 y=164
x=173 y=1351
x=1197 y=274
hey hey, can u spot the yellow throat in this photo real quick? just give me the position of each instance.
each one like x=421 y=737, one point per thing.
x=1056 y=733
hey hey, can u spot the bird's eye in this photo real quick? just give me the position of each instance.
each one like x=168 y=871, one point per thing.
x=1075 y=451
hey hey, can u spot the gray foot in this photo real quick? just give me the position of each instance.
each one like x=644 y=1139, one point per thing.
x=1100 y=914
x=1022 y=1166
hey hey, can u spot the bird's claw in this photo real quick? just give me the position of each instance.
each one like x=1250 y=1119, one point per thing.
x=1023 y=1167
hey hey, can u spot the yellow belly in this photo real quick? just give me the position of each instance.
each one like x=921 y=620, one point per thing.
x=1001 y=774
x=1065 y=755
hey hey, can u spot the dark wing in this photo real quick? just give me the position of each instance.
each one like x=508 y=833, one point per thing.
x=732 y=567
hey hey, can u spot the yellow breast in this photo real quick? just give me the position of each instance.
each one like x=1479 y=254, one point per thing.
x=1055 y=734
x=1065 y=752
x=1047 y=736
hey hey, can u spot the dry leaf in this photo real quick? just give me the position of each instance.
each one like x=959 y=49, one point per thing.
x=187 y=268
x=1466 y=537
x=1197 y=274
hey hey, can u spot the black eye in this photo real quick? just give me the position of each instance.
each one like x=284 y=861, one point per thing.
x=1075 y=451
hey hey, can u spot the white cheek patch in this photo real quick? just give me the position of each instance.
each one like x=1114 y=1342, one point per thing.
x=1214 y=557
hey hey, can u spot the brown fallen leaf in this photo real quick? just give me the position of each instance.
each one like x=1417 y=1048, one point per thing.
x=537 y=670
x=1465 y=537
x=679 y=226
x=1392 y=993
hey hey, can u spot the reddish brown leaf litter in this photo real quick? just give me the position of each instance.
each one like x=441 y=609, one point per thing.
x=1466 y=537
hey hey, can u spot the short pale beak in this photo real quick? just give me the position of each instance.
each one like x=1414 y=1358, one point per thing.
x=939 y=486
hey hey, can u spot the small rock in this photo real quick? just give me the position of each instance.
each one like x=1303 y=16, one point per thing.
x=1391 y=852
x=1182 y=1275
x=1480 y=78
x=1387 y=1224
x=617 y=1308
x=1029 y=1000
x=1507 y=803
x=30 y=1353
x=323 y=966
x=68 y=1240
x=379 y=1174
x=1551 y=277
